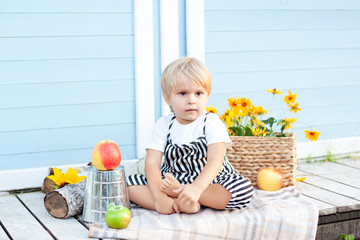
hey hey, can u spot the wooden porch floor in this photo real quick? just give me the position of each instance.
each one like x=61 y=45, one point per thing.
x=333 y=186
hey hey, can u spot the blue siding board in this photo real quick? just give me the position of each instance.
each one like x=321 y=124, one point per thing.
x=279 y=4
x=57 y=139
x=284 y=79
x=246 y=41
x=282 y=60
x=247 y=20
x=46 y=6
x=63 y=93
x=19 y=72
x=48 y=117
x=54 y=25
x=40 y=48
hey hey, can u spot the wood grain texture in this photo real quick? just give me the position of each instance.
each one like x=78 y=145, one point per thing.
x=65 y=229
x=18 y=221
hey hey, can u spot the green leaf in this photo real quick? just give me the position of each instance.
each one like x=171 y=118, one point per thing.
x=272 y=134
x=270 y=120
x=282 y=128
x=248 y=131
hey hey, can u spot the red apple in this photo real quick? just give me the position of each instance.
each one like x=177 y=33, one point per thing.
x=106 y=155
x=117 y=216
x=270 y=179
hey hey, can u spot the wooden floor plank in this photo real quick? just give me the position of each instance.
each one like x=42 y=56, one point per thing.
x=3 y=234
x=74 y=230
x=334 y=171
x=330 y=185
x=18 y=221
x=350 y=162
x=324 y=208
x=342 y=203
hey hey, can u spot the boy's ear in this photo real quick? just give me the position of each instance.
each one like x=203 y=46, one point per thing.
x=166 y=99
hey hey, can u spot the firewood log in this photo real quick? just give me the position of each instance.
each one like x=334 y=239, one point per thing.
x=67 y=201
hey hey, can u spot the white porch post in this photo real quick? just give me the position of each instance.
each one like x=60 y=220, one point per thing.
x=169 y=37
x=144 y=73
x=195 y=29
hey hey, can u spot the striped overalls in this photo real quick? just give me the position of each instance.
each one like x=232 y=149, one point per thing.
x=186 y=161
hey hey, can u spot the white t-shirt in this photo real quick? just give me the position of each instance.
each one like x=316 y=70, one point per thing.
x=215 y=131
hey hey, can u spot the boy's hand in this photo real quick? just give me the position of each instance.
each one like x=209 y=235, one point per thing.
x=166 y=205
x=190 y=194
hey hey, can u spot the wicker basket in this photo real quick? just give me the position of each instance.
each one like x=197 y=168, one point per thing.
x=250 y=154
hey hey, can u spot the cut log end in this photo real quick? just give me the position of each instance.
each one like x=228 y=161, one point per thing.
x=56 y=205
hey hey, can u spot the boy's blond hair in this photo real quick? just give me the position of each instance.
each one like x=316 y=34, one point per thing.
x=184 y=69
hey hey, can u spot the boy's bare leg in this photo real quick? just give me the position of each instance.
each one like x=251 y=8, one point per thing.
x=141 y=195
x=169 y=184
x=215 y=196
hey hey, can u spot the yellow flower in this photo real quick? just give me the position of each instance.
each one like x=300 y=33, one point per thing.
x=312 y=135
x=58 y=177
x=211 y=109
x=291 y=98
x=233 y=103
x=259 y=111
x=72 y=177
x=294 y=108
x=287 y=122
x=245 y=104
x=259 y=132
x=275 y=91
x=257 y=122
x=227 y=117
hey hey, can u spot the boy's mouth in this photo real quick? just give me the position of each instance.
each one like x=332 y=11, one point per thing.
x=191 y=110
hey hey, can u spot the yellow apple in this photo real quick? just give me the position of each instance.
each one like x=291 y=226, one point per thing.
x=270 y=179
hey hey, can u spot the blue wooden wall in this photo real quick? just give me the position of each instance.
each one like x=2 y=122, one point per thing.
x=66 y=81
x=309 y=47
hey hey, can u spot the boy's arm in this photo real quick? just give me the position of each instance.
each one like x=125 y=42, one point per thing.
x=163 y=203
x=152 y=172
x=215 y=158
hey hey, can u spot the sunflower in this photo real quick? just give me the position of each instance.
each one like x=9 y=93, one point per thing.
x=58 y=177
x=287 y=123
x=233 y=103
x=291 y=98
x=259 y=111
x=294 y=107
x=257 y=122
x=312 y=135
x=211 y=109
x=275 y=91
x=227 y=117
x=259 y=132
x=72 y=177
x=245 y=104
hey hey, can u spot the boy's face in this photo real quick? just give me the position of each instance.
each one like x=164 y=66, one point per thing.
x=188 y=102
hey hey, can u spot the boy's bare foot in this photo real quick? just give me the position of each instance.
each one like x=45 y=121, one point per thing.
x=188 y=207
x=169 y=184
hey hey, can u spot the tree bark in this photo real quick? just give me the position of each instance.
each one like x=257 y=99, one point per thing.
x=67 y=201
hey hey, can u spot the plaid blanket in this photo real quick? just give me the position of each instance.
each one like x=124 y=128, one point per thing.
x=282 y=214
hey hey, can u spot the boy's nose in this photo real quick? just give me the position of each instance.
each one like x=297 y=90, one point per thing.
x=191 y=99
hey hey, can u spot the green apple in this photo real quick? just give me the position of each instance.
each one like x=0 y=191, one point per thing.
x=117 y=216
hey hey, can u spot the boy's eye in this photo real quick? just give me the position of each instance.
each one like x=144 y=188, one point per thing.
x=199 y=93
x=182 y=93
